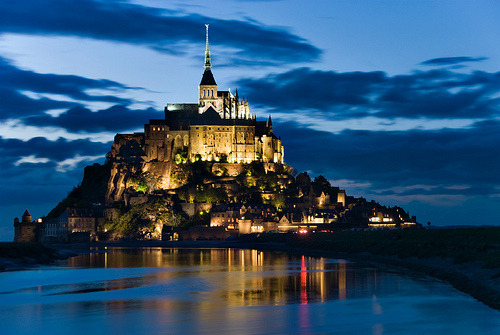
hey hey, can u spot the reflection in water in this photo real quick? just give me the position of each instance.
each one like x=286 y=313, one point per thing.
x=191 y=291
x=342 y=280
x=263 y=278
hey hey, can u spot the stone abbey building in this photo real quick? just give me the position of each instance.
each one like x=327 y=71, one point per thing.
x=218 y=128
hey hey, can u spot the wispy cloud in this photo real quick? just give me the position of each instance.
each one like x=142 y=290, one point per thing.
x=31 y=159
x=73 y=162
x=446 y=61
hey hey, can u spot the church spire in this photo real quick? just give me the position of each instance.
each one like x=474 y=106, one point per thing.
x=208 y=65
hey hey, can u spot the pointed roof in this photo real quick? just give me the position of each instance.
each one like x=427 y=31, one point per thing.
x=26 y=213
x=208 y=78
x=210 y=114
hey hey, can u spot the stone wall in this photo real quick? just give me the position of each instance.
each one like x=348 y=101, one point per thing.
x=233 y=169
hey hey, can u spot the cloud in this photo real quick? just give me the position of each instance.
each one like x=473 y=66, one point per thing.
x=433 y=94
x=159 y=29
x=14 y=152
x=39 y=173
x=400 y=164
x=72 y=163
x=79 y=119
x=444 y=61
x=31 y=159
x=24 y=93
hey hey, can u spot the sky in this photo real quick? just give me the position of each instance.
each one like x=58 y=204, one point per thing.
x=395 y=101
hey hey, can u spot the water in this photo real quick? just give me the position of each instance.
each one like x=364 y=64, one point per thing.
x=230 y=291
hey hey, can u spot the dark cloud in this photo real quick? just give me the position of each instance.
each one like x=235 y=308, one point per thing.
x=469 y=158
x=15 y=82
x=115 y=119
x=159 y=29
x=13 y=149
x=430 y=94
x=445 y=61
x=40 y=186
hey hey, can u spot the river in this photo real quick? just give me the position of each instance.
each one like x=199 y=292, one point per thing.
x=230 y=291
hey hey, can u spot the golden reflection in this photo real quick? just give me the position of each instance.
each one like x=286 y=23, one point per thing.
x=240 y=277
x=342 y=279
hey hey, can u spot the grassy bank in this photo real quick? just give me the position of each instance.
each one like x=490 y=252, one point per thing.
x=462 y=245
x=18 y=255
x=467 y=258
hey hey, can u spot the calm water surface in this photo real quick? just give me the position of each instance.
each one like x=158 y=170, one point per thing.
x=230 y=291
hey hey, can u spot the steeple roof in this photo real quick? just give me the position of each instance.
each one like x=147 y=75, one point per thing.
x=26 y=213
x=208 y=78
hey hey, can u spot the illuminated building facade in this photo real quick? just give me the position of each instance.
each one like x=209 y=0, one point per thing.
x=218 y=128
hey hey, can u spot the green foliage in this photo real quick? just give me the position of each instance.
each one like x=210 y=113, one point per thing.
x=321 y=184
x=255 y=169
x=197 y=220
x=144 y=217
x=91 y=190
x=278 y=201
x=221 y=171
x=223 y=158
x=203 y=194
x=145 y=182
x=181 y=156
x=268 y=181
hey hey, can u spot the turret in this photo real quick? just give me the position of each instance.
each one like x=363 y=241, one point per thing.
x=26 y=217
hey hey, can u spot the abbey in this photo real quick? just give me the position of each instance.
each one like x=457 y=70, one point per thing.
x=219 y=128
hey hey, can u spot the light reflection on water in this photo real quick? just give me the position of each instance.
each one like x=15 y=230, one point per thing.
x=230 y=291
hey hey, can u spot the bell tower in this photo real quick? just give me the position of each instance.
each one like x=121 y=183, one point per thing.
x=207 y=92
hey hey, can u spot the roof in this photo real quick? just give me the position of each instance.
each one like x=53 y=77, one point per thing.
x=208 y=78
x=26 y=213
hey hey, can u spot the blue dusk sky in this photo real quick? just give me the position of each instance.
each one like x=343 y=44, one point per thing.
x=396 y=101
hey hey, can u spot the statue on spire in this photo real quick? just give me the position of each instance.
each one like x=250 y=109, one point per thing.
x=208 y=65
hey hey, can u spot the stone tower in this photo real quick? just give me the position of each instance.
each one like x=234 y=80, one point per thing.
x=25 y=231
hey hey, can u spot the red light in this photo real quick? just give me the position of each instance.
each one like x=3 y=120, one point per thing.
x=302 y=231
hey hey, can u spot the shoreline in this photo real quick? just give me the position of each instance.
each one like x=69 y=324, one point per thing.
x=471 y=278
